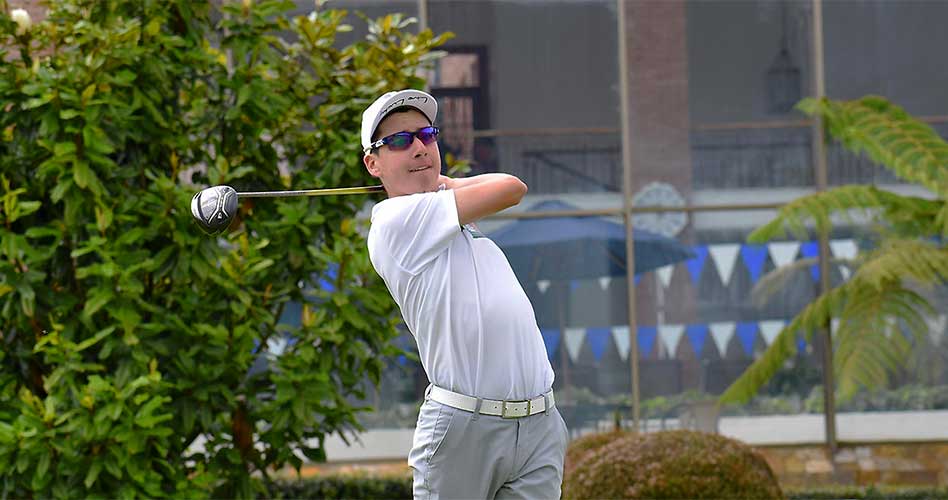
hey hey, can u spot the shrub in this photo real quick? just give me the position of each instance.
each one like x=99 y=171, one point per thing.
x=580 y=447
x=129 y=341
x=344 y=486
x=673 y=464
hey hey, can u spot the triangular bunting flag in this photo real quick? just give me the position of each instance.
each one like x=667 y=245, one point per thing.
x=783 y=252
x=646 y=339
x=542 y=285
x=696 y=265
x=754 y=257
x=801 y=344
x=598 y=339
x=697 y=334
x=770 y=329
x=551 y=339
x=620 y=335
x=665 y=274
x=722 y=333
x=811 y=250
x=936 y=328
x=844 y=249
x=604 y=282
x=724 y=257
x=670 y=335
x=747 y=333
x=574 y=340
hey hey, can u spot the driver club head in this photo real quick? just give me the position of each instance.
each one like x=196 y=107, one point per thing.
x=214 y=208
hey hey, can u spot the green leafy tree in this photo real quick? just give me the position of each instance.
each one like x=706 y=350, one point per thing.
x=129 y=338
x=882 y=308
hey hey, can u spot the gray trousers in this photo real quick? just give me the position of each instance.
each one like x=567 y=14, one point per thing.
x=457 y=454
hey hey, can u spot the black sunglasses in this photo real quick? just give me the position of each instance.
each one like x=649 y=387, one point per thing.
x=401 y=140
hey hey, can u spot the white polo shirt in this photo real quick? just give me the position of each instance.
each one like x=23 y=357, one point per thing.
x=474 y=325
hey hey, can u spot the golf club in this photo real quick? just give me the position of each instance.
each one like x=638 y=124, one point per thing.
x=214 y=208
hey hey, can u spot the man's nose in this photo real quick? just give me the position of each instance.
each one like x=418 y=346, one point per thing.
x=418 y=148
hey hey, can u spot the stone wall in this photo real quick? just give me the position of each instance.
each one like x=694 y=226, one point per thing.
x=860 y=464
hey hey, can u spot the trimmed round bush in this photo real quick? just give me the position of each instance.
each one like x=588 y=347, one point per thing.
x=580 y=447
x=672 y=464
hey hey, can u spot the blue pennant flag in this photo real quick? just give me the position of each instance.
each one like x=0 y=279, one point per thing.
x=801 y=345
x=696 y=265
x=598 y=339
x=697 y=334
x=402 y=360
x=811 y=249
x=754 y=257
x=747 y=333
x=551 y=339
x=646 y=336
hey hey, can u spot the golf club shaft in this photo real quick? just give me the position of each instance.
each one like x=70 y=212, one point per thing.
x=311 y=192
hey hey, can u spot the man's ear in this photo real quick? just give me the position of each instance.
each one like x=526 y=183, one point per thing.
x=371 y=164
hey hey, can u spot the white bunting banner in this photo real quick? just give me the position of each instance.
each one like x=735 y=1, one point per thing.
x=783 y=252
x=620 y=334
x=770 y=329
x=844 y=249
x=604 y=282
x=936 y=328
x=722 y=334
x=724 y=257
x=670 y=335
x=542 y=285
x=574 y=341
x=665 y=274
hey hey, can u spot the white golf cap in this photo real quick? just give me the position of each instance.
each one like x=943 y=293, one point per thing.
x=374 y=114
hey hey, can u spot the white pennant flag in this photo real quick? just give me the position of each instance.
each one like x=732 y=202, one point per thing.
x=722 y=333
x=844 y=249
x=670 y=335
x=769 y=330
x=724 y=257
x=543 y=285
x=936 y=327
x=783 y=252
x=665 y=274
x=620 y=334
x=604 y=282
x=574 y=340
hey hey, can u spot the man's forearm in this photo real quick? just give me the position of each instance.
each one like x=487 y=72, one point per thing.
x=452 y=183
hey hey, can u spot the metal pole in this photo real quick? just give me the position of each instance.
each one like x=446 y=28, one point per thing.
x=627 y=205
x=422 y=15
x=819 y=162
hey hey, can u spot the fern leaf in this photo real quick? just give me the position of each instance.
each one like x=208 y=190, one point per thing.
x=819 y=207
x=889 y=136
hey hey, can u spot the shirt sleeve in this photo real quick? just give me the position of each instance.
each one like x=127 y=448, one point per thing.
x=417 y=228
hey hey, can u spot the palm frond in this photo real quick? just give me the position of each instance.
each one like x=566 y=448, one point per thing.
x=813 y=317
x=888 y=135
x=869 y=344
x=843 y=201
x=776 y=280
x=921 y=261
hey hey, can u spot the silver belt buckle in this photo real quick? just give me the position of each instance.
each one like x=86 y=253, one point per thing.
x=503 y=409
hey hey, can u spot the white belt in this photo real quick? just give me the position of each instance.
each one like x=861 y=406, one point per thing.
x=505 y=409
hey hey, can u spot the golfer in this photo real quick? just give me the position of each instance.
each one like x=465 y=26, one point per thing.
x=488 y=427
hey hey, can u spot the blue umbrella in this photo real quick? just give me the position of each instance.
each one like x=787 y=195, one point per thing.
x=570 y=248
